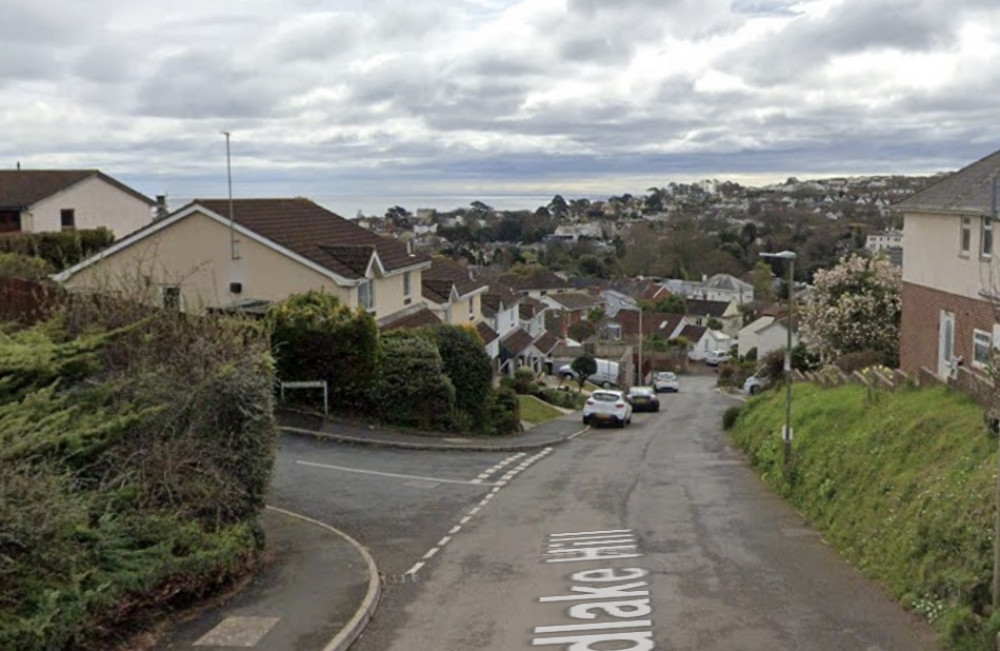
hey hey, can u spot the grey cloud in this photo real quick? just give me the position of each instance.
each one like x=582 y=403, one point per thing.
x=317 y=38
x=807 y=43
x=207 y=83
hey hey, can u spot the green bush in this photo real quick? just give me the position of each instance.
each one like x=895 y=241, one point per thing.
x=504 y=411
x=856 y=361
x=465 y=362
x=60 y=249
x=523 y=381
x=560 y=398
x=729 y=417
x=131 y=478
x=314 y=337
x=413 y=390
x=28 y=267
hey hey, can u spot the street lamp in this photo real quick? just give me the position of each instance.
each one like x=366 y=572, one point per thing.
x=786 y=434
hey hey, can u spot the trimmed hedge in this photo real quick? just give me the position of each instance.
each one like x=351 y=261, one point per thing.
x=60 y=249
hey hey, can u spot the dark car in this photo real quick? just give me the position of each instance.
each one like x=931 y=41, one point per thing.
x=643 y=399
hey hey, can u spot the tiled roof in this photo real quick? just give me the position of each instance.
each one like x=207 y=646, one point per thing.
x=486 y=332
x=413 y=316
x=315 y=233
x=706 y=308
x=693 y=333
x=20 y=189
x=546 y=342
x=444 y=274
x=529 y=307
x=538 y=278
x=496 y=295
x=516 y=341
x=728 y=282
x=652 y=323
x=574 y=301
x=969 y=190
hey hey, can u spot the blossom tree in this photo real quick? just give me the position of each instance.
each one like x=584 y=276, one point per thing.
x=855 y=306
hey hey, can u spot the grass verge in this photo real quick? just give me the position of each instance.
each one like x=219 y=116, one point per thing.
x=536 y=411
x=901 y=484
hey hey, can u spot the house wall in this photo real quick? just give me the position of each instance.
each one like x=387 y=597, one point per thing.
x=194 y=253
x=95 y=203
x=773 y=337
x=921 y=308
x=932 y=244
x=506 y=320
x=389 y=296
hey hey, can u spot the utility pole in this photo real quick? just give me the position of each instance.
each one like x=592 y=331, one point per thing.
x=233 y=250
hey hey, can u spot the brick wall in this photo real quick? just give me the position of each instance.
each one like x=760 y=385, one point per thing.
x=918 y=337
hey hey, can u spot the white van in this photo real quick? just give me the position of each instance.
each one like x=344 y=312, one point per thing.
x=605 y=376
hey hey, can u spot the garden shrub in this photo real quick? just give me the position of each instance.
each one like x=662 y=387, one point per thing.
x=60 y=249
x=314 y=337
x=850 y=362
x=27 y=267
x=729 y=417
x=465 y=362
x=131 y=477
x=504 y=411
x=413 y=390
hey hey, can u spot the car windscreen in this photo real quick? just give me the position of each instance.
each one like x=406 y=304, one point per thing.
x=605 y=397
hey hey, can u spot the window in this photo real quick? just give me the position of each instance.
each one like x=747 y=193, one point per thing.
x=406 y=284
x=965 y=238
x=982 y=344
x=170 y=296
x=366 y=295
x=472 y=306
x=986 y=241
x=67 y=218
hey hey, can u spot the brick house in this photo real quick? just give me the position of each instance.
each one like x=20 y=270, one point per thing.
x=950 y=285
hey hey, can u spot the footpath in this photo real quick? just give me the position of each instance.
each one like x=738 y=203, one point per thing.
x=321 y=586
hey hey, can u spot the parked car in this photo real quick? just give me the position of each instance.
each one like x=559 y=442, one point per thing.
x=716 y=357
x=606 y=375
x=755 y=384
x=665 y=382
x=606 y=406
x=643 y=399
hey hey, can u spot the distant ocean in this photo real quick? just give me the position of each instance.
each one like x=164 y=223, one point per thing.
x=346 y=206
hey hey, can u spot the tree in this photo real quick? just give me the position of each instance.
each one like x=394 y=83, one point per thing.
x=673 y=304
x=855 y=306
x=760 y=278
x=584 y=366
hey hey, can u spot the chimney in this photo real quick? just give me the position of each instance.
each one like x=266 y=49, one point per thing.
x=161 y=207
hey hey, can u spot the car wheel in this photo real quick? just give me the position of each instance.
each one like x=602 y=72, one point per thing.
x=754 y=390
x=586 y=421
x=656 y=409
x=605 y=385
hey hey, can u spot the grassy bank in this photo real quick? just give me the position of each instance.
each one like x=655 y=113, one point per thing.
x=901 y=484
x=536 y=411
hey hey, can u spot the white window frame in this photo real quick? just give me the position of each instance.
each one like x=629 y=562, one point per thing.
x=986 y=237
x=965 y=236
x=406 y=284
x=982 y=345
x=472 y=307
x=366 y=294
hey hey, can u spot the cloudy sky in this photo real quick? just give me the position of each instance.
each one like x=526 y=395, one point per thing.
x=364 y=104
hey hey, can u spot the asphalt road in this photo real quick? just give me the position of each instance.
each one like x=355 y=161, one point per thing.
x=653 y=536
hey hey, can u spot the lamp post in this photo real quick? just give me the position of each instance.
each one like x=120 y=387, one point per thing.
x=786 y=434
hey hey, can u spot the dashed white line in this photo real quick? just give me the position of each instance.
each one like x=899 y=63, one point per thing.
x=507 y=476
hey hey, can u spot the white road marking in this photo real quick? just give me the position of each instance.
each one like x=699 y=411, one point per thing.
x=390 y=474
x=474 y=510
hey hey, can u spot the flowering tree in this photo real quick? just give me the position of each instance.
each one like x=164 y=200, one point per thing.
x=855 y=306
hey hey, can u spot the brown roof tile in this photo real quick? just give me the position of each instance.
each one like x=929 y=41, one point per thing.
x=546 y=342
x=443 y=269
x=486 y=332
x=539 y=278
x=693 y=333
x=516 y=341
x=315 y=233
x=414 y=316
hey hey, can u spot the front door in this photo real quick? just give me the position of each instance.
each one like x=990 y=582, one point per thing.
x=946 y=344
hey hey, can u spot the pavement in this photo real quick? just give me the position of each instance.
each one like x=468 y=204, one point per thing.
x=320 y=586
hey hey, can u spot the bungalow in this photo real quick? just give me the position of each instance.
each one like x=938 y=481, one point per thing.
x=35 y=201
x=451 y=292
x=197 y=259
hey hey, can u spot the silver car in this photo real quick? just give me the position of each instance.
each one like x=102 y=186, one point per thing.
x=666 y=382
